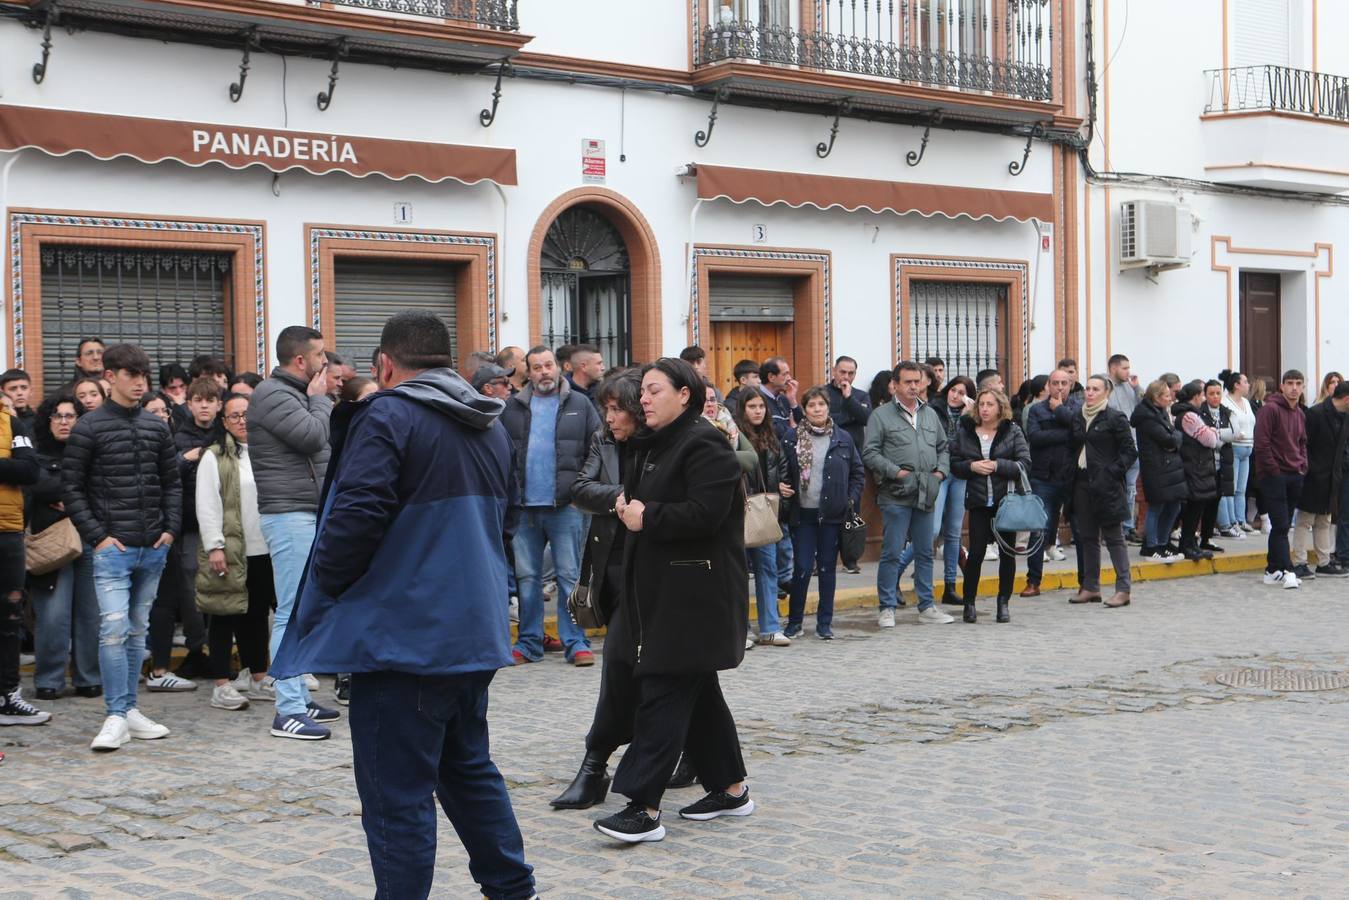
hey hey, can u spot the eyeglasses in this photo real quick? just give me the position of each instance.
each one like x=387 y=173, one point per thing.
x=64 y=417
x=236 y=417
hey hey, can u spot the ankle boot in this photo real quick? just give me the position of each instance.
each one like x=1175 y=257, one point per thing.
x=684 y=774
x=971 y=614
x=589 y=787
x=1003 y=615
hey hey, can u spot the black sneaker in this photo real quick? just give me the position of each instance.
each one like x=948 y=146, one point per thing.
x=824 y=634
x=89 y=690
x=632 y=825
x=853 y=570
x=195 y=665
x=342 y=690
x=1334 y=570
x=1132 y=537
x=47 y=694
x=719 y=803
x=14 y=710
x=1303 y=572
x=684 y=774
x=792 y=631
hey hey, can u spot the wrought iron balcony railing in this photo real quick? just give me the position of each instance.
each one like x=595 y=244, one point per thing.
x=500 y=15
x=989 y=46
x=1279 y=89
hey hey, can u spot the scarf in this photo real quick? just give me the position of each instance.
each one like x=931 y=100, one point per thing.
x=1089 y=412
x=805 y=450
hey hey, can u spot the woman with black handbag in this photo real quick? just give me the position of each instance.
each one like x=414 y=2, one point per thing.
x=773 y=475
x=683 y=610
x=1102 y=451
x=595 y=492
x=828 y=476
x=991 y=453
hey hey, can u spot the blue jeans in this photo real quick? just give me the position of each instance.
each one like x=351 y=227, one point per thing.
x=414 y=736
x=815 y=544
x=1160 y=520
x=564 y=531
x=1342 y=530
x=1054 y=495
x=785 y=555
x=289 y=536
x=67 y=618
x=905 y=524
x=948 y=515
x=125 y=582
x=1232 y=510
x=1131 y=489
x=765 y=563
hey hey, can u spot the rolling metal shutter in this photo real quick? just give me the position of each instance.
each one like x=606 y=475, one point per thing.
x=751 y=298
x=958 y=321
x=366 y=294
x=169 y=302
x=1262 y=34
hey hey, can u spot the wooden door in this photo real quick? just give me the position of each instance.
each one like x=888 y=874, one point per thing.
x=1260 y=319
x=734 y=341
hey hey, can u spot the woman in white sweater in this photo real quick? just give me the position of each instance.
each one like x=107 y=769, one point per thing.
x=234 y=579
x=1232 y=510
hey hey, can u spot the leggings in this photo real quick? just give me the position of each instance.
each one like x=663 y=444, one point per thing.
x=248 y=629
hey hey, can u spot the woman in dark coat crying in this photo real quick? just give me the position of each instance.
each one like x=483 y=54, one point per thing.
x=1102 y=450
x=684 y=606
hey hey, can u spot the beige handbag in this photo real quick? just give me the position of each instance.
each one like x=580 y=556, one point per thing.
x=53 y=547
x=761 y=519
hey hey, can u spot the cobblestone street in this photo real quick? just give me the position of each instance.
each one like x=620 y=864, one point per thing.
x=1076 y=752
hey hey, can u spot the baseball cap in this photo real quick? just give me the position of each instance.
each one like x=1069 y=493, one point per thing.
x=489 y=372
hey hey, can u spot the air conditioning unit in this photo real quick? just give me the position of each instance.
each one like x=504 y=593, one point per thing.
x=1154 y=234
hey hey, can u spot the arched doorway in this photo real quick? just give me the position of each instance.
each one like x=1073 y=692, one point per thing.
x=585 y=285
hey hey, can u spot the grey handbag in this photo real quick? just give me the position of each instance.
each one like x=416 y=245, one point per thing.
x=761 y=519
x=1021 y=511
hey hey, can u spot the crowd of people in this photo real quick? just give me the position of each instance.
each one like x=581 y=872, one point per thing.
x=202 y=506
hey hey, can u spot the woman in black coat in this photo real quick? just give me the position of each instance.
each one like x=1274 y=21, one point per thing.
x=828 y=473
x=684 y=607
x=595 y=492
x=1163 y=472
x=992 y=454
x=1102 y=450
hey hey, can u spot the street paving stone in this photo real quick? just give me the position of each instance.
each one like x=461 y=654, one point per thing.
x=1075 y=752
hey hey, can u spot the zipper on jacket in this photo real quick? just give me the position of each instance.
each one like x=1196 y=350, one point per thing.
x=692 y=563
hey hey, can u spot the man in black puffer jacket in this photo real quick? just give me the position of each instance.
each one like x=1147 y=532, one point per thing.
x=1049 y=431
x=122 y=490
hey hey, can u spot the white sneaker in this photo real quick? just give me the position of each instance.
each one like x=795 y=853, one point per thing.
x=261 y=690
x=991 y=554
x=1169 y=558
x=1291 y=581
x=886 y=619
x=243 y=681
x=224 y=696
x=514 y=613
x=169 y=682
x=112 y=735
x=311 y=682
x=1274 y=579
x=776 y=639
x=749 y=642
x=933 y=616
x=142 y=728
x=1056 y=553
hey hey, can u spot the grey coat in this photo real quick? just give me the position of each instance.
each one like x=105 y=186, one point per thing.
x=577 y=422
x=288 y=443
x=892 y=444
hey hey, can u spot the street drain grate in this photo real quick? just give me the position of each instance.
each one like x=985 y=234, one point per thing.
x=1284 y=679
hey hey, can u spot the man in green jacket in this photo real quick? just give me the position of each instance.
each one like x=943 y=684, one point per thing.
x=906 y=451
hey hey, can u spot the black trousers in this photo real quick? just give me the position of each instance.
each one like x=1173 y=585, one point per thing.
x=177 y=601
x=611 y=727
x=13 y=572
x=1198 y=518
x=249 y=629
x=679 y=713
x=981 y=535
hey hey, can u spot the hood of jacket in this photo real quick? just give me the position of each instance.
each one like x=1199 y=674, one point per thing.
x=448 y=393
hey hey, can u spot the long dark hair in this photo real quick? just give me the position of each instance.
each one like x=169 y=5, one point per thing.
x=879 y=392
x=42 y=419
x=965 y=381
x=762 y=437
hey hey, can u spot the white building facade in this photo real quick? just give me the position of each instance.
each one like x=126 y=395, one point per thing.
x=799 y=177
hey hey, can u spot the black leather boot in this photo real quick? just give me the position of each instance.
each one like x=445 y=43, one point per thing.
x=589 y=787
x=684 y=775
x=971 y=614
x=1003 y=615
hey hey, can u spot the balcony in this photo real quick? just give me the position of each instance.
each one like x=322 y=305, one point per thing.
x=1277 y=127
x=989 y=59
x=449 y=35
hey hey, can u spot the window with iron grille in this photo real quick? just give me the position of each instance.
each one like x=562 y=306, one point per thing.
x=585 y=295
x=959 y=321
x=172 y=303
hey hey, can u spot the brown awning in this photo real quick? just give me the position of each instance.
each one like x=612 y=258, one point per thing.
x=828 y=191
x=61 y=132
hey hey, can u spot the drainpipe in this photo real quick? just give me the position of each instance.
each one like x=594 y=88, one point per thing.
x=501 y=258
x=4 y=229
x=691 y=274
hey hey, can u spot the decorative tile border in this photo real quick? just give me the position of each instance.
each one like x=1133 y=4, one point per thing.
x=722 y=253
x=19 y=221
x=317 y=235
x=967 y=265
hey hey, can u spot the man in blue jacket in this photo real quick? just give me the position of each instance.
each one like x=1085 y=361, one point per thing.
x=406 y=589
